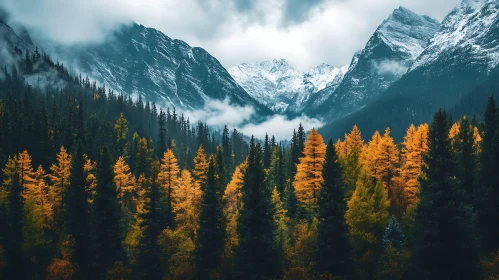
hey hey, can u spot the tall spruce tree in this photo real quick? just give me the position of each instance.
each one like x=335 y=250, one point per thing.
x=220 y=171
x=466 y=158
x=445 y=247
x=267 y=151
x=76 y=212
x=107 y=231
x=211 y=232
x=149 y=264
x=227 y=153
x=334 y=255
x=395 y=257
x=276 y=171
x=487 y=195
x=162 y=133
x=257 y=256
x=14 y=237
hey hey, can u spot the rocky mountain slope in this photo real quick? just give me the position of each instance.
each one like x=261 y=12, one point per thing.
x=388 y=54
x=9 y=39
x=277 y=85
x=143 y=61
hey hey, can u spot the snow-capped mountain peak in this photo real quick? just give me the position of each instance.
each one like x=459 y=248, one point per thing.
x=390 y=51
x=406 y=31
x=279 y=86
x=469 y=31
x=475 y=4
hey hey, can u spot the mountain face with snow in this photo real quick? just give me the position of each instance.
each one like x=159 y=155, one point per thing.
x=388 y=54
x=468 y=35
x=459 y=59
x=280 y=87
x=143 y=61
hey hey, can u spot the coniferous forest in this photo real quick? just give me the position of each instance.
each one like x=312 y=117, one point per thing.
x=97 y=185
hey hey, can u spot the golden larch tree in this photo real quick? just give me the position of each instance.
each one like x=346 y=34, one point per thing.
x=90 y=179
x=308 y=177
x=233 y=203
x=353 y=142
x=26 y=175
x=169 y=170
x=61 y=171
x=41 y=194
x=369 y=154
x=183 y=197
x=200 y=174
x=387 y=161
x=123 y=179
x=413 y=148
x=422 y=136
x=477 y=141
x=168 y=176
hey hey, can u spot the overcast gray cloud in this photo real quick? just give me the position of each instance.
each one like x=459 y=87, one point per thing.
x=296 y=11
x=306 y=32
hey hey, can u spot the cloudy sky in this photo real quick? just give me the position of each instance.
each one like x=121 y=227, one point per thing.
x=306 y=32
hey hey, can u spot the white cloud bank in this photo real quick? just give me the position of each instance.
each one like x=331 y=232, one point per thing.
x=219 y=113
x=306 y=32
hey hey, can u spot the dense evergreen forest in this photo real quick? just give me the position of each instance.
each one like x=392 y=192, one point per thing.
x=96 y=185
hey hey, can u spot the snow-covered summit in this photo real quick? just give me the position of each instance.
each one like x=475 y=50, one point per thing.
x=279 y=86
x=469 y=32
x=406 y=32
x=475 y=4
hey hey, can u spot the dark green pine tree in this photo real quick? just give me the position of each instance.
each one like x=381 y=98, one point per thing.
x=211 y=233
x=294 y=156
x=220 y=170
x=267 y=151
x=301 y=137
x=149 y=264
x=273 y=142
x=227 y=153
x=14 y=237
x=107 y=231
x=487 y=196
x=445 y=246
x=276 y=171
x=394 y=234
x=257 y=256
x=80 y=126
x=162 y=134
x=76 y=212
x=395 y=256
x=292 y=204
x=334 y=253
x=466 y=159
x=46 y=150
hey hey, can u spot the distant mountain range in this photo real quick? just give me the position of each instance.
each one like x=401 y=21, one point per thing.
x=411 y=66
x=277 y=85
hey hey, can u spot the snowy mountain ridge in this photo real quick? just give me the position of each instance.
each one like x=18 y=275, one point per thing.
x=279 y=86
x=143 y=61
x=469 y=29
x=390 y=51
